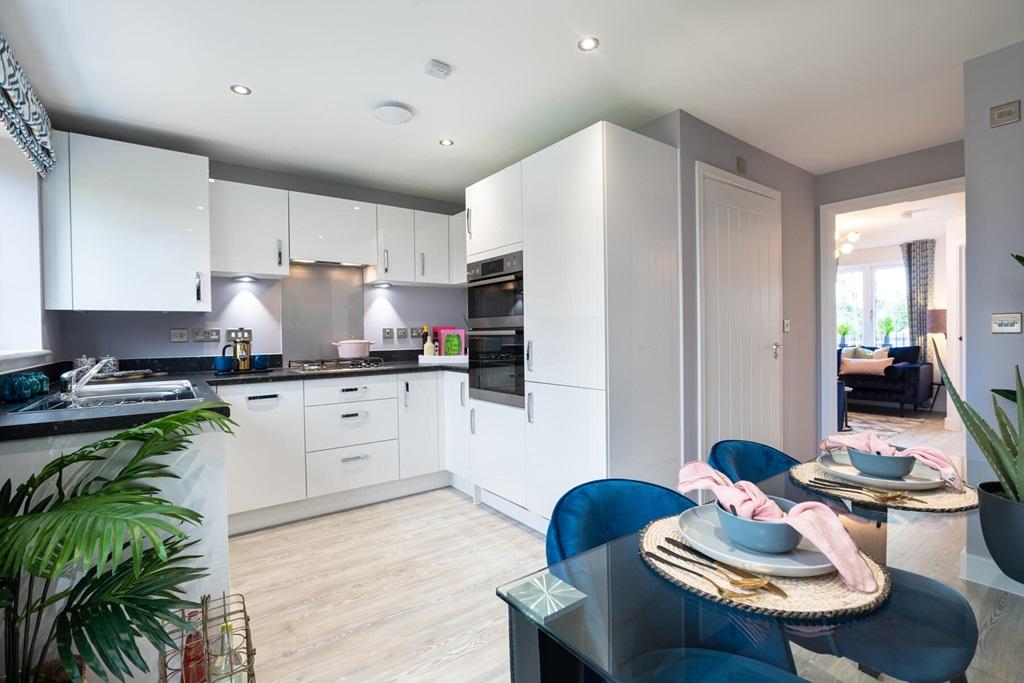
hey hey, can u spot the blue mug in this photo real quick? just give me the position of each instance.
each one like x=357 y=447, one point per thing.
x=260 y=362
x=223 y=363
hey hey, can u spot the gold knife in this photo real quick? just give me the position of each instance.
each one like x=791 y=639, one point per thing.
x=742 y=573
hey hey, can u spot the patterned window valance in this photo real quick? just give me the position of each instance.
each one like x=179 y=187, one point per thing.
x=21 y=113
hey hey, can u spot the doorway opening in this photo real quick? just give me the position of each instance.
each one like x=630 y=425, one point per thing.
x=891 y=299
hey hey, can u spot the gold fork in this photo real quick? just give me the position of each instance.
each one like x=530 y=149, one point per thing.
x=722 y=591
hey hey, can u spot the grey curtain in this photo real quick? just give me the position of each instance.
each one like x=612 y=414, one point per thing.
x=919 y=262
x=22 y=114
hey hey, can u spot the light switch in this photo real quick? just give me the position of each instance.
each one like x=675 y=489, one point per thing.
x=388 y=333
x=785 y=325
x=179 y=335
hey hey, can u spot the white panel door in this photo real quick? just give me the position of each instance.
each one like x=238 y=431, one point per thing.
x=497 y=449
x=563 y=262
x=266 y=460
x=248 y=230
x=565 y=442
x=456 y=424
x=140 y=227
x=457 y=248
x=417 y=424
x=332 y=229
x=395 y=243
x=55 y=213
x=431 y=247
x=740 y=252
x=494 y=211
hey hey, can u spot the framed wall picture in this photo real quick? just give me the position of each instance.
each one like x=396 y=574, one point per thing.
x=1006 y=323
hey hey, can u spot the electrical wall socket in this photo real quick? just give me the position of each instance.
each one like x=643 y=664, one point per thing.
x=415 y=332
x=388 y=333
x=402 y=333
x=200 y=334
x=179 y=335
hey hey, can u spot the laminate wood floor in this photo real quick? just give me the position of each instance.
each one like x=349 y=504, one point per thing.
x=404 y=590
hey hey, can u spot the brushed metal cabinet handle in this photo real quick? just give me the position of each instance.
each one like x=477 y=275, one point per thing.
x=423 y=263
x=262 y=397
x=472 y=420
x=529 y=407
x=346 y=390
x=354 y=458
x=406 y=395
x=199 y=286
x=387 y=261
x=469 y=222
x=462 y=393
x=280 y=253
x=349 y=416
x=529 y=355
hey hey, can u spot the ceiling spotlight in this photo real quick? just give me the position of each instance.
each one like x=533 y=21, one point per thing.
x=446 y=142
x=852 y=236
x=588 y=44
x=244 y=278
x=356 y=208
x=845 y=248
x=394 y=113
x=382 y=285
x=212 y=180
x=241 y=89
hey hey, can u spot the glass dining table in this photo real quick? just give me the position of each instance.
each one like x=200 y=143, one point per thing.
x=605 y=614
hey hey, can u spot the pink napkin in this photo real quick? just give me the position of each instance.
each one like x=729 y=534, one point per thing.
x=817 y=522
x=869 y=442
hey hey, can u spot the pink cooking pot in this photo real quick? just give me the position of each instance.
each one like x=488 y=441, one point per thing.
x=353 y=348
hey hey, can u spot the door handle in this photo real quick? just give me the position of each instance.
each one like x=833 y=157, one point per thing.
x=423 y=263
x=199 y=286
x=350 y=416
x=406 y=394
x=262 y=397
x=280 y=253
x=529 y=355
x=472 y=421
x=777 y=350
x=462 y=393
x=387 y=261
x=346 y=390
x=529 y=407
x=469 y=222
x=353 y=458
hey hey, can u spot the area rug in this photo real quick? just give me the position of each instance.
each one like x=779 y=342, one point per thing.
x=886 y=426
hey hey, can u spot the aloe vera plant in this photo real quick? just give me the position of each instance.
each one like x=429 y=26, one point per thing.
x=91 y=560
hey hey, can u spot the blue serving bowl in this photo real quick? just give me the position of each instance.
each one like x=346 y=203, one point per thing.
x=883 y=466
x=760 y=536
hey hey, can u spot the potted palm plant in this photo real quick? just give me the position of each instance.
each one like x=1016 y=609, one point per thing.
x=886 y=326
x=92 y=557
x=1001 y=502
x=843 y=329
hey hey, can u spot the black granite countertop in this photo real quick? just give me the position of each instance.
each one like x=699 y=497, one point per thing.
x=46 y=423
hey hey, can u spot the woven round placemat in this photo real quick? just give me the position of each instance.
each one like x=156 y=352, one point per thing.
x=812 y=597
x=944 y=499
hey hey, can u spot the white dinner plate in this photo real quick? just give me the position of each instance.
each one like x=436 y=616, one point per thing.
x=701 y=530
x=921 y=478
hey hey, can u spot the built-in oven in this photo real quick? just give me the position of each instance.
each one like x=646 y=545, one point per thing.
x=495 y=330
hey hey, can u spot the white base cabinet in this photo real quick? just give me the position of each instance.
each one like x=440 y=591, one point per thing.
x=352 y=467
x=497 y=449
x=565 y=442
x=265 y=458
x=455 y=442
x=417 y=425
x=248 y=230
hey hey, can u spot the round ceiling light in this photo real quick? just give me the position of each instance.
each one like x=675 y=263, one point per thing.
x=239 y=89
x=845 y=248
x=394 y=113
x=588 y=44
x=446 y=142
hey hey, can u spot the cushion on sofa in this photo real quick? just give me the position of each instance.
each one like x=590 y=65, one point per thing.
x=864 y=366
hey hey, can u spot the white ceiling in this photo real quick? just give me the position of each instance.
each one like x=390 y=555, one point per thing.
x=889 y=225
x=824 y=84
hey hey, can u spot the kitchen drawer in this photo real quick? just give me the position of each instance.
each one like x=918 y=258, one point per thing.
x=349 y=389
x=341 y=469
x=348 y=424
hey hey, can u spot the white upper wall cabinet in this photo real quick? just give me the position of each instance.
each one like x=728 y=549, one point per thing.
x=494 y=211
x=431 y=248
x=332 y=229
x=457 y=248
x=139 y=229
x=395 y=243
x=563 y=261
x=248 y=230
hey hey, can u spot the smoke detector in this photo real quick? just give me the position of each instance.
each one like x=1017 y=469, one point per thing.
x=437 y=69
x=393 y=112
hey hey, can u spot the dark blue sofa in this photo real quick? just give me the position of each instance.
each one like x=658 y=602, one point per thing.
x=907 y=382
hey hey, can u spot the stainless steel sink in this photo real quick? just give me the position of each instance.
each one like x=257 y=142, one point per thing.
x=116 y=394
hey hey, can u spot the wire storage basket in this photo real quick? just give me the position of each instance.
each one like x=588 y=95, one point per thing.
x=218 y=647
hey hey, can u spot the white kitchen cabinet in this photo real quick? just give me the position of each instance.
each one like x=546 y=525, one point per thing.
x=248 y=230
x=266 y=461
x=349 y=424
x=126 y=228
x=418 y=424
x=396 y=258
x=351 y=467
x=431 y=248
x=456 y=423
x=565 y=442
x=497 y=449
x=457 y=248
x=563 y=259
x=494 y=211
x=332 y=229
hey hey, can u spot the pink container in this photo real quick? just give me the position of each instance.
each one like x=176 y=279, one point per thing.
x=441 y=336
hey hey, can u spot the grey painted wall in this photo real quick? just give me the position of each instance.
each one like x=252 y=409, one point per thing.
x=699 y=141
x=994 y=162
x=906 y=170
x=410 y=307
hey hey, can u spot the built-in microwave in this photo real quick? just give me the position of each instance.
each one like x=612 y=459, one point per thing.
x=495 y=334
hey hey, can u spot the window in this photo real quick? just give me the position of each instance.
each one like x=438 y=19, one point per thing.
x=869 y=299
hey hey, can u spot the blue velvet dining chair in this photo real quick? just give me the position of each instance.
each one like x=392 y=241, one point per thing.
x=748 y=460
